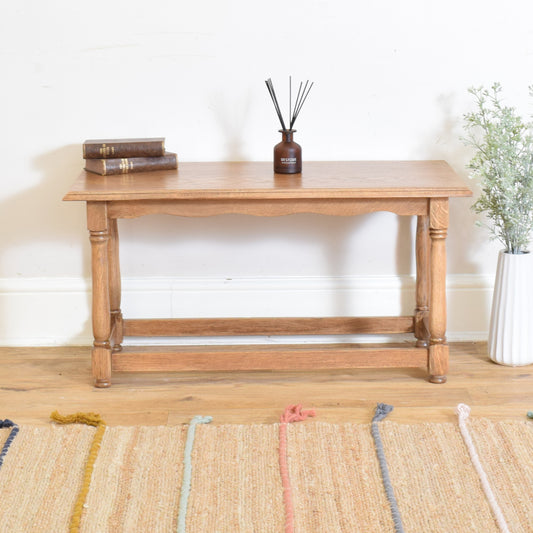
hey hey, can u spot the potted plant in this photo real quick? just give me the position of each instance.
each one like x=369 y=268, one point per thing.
x=503 y=164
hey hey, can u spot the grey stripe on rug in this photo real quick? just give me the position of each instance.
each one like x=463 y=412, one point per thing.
x=236 y=485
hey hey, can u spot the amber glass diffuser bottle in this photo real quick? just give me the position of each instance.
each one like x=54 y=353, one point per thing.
x=287 y=153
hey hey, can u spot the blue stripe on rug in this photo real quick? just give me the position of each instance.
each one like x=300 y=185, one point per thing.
x=382 y=410
x=13 y=433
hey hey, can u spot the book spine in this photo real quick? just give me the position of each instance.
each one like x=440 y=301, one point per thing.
x=112 y=167
x=113 y=150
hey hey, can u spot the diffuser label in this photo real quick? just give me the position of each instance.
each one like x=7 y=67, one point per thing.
x=288 y=160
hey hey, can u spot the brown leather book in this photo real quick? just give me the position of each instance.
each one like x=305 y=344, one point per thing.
x=113 y=148
x=124 y=165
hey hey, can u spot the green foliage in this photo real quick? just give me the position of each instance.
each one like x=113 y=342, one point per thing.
x=503 y=163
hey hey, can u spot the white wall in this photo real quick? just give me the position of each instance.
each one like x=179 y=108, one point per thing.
x=390 y=83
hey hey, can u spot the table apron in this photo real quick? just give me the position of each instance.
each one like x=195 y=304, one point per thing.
x=266 y=207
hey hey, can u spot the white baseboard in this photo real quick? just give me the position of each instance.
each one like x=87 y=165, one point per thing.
x=56 y=311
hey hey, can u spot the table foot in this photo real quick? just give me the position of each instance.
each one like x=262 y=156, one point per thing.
x=101 y=363
x=117 y=348
x=438 y=361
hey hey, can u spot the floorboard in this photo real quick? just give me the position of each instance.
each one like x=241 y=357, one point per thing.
x=36 y=381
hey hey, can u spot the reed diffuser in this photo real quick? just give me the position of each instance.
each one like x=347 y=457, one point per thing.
x=287 y=153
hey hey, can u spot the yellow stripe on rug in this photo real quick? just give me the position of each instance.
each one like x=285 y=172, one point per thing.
x=235 y=478
x=89 y=419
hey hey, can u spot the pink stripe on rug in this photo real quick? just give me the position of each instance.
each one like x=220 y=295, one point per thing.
x=292 y=413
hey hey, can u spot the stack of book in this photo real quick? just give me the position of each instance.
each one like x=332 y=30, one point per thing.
x=120 y=156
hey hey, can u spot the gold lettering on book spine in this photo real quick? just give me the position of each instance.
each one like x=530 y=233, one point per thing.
x=106 y=150
x=125 y=165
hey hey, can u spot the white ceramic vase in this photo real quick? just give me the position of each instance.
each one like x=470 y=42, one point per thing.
x=511 y=321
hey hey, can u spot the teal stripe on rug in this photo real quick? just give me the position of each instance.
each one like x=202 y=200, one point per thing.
x=187 y=470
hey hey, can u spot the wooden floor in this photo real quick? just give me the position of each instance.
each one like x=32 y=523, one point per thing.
x=36 y=381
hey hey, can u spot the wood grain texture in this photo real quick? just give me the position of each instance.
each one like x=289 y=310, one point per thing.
x=438 y=362
x=419 y=188
x=38 y=381
x=115 y=286
x=194 y=327
x=271 y=208
x=248 y=180
x=438 y=228
x=97 y=223
x=423 y=282
x=269 y=357
x=439 y=214
x=101 y=365
x=438 y=351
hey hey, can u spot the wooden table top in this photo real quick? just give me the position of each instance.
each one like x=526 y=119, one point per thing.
x=253 y=180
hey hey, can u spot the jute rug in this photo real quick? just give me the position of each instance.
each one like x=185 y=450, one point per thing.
x=232 y=478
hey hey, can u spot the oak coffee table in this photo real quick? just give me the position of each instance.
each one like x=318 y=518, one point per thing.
x=408 y=188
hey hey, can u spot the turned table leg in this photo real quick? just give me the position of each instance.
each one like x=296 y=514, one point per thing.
x=98 y=225
x=438 y=349
x=422 y=281
x=115 y=287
